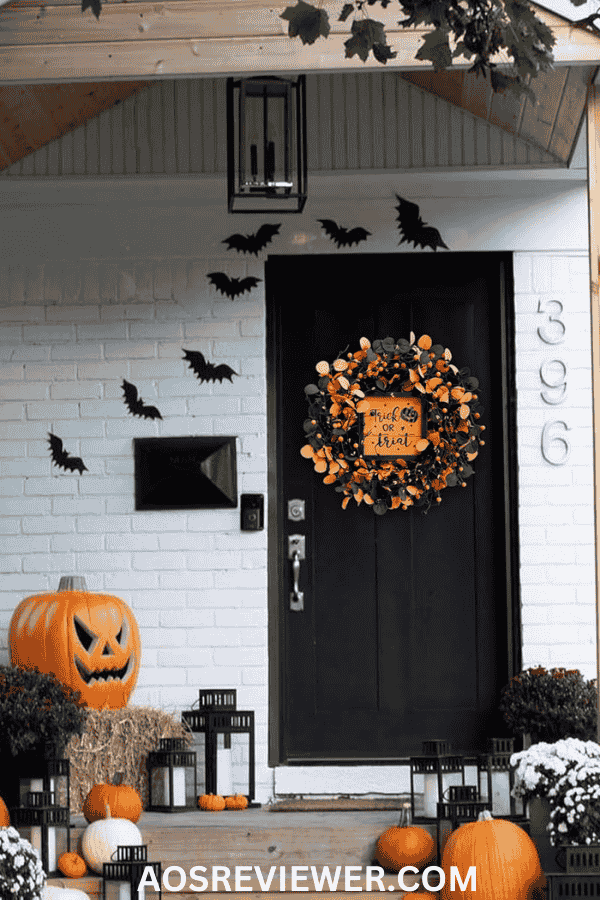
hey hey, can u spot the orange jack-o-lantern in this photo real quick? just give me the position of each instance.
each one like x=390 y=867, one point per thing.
x=90 y=642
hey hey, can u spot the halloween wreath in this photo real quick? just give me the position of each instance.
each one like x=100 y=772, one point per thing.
x=393 y=424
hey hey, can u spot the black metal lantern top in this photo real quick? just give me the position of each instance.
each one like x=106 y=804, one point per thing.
x=167 y=768
x=266 y=144
x=129 y=868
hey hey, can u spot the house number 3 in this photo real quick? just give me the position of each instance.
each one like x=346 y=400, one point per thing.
x=553 y=374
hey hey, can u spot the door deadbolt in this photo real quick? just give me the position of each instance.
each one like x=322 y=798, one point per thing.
x=296 y=510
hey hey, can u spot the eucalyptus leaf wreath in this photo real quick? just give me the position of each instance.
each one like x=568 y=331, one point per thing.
x=344 y=395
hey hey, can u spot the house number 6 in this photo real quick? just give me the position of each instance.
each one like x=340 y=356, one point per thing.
x=549 y=439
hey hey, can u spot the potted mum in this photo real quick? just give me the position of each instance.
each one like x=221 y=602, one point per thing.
x=38 y=717
x=546 y=705
x=561 y=781
x=21 y=873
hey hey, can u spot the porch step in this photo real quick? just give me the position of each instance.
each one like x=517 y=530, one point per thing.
x=256 y=837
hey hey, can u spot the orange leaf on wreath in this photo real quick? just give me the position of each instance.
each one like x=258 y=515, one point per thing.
x=457 y=392
x=424 y=342
x=369 y=500
x=412 y=375
x=464 y=410
x=412 y=490
x=321 y=466
x=307 y=451
x=330 y=479
x=345 y=502
x=434 y=437
x=362 y=406
x=396 y=502
x=421 y=445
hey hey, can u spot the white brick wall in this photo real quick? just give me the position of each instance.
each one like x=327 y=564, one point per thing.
x=71 y=330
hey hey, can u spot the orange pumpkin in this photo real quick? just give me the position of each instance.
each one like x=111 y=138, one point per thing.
x=405 y=845
x=506 y=861
x=90 y=642
x=72 y=865
x=211 y=802
x=124 y=802
x=238 y=801
x=4 y=816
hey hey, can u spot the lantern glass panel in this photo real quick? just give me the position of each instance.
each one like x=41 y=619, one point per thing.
x=266 y=145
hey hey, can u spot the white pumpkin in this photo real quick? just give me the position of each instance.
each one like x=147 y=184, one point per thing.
x=101 y=839
x=51 y=892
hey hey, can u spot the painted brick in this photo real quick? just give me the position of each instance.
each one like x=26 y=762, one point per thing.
x=102 y=562
x=188 y=618
x=23 y=314
x=77 y=543
x=100 y=371
x=49 y=372
x=183 y=541
x=156 y=561
x=48 y=524
x=11 y=412
x=184 y=656
x=155 y=521
x=56 y=485
x=49 y=562
x=78 y=506
x=127 y=350
x=131 y=542
x=67 y=390
x=73 y=314
x=99 y=484
x=77 y=351
x=27 y=467
x=26 y=506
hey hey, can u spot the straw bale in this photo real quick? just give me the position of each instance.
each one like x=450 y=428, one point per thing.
x=115 y=741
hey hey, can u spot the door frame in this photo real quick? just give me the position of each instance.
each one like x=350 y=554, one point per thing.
x=276 y=556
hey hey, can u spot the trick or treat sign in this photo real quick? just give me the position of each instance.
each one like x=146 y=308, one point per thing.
x=392 y=426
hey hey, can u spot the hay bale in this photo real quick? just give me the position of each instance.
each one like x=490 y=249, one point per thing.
x=118 y=740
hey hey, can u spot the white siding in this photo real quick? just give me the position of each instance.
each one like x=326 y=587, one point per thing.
x=356 y=121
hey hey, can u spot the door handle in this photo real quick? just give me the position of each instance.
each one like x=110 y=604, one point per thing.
x=296 y=552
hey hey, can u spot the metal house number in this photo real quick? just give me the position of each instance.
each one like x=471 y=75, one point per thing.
x=555 y=444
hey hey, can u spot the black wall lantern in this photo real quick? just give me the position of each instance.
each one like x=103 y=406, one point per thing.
x=266 y=144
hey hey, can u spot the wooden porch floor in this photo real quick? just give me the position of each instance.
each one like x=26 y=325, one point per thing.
x=256 y=837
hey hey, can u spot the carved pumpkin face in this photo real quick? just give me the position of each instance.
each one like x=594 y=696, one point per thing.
x=90 y=642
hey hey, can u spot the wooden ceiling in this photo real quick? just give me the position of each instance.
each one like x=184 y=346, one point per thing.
x=33 y=115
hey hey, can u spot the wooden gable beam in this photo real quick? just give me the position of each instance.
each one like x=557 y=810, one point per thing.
x=54 y=41
x=551 y=124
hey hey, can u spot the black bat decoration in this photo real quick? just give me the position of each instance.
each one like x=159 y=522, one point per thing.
x=414 y=230
x=207 y=371
x=136 y=405
x=252 y=243
x=341 y=236
x=62 y=459
x=232 y=287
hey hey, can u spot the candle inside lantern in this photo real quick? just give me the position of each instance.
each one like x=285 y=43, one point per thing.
x=430 y=795
x=224 y=772
x=36 y=843
x=124 y=891
x=270 y=162
x=178 y=787
x=501 y=793
x=253 y=161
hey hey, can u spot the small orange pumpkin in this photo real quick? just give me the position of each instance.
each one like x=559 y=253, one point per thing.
x=4 y=816
x=507 y=862
x=405 y=844
x=238 y=801
x=124 y=802
x=84 y=639
x=211 y=802
x=72 y=865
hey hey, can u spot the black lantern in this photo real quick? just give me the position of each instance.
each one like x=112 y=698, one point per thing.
x=460 y=804
x=121 y=877
x=582 y=875
x=439 y=769
x=266 y=144
x=168 y=788
x=217 y=718
x=49 y=826
x=44 y=802
x=496 y=780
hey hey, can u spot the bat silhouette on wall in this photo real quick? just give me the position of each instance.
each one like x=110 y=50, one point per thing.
x=414 y=230
x=341 y=236
x=207 y=371
x=62 y=459
x=135 y=404
x=252 y=243
x=232 y=287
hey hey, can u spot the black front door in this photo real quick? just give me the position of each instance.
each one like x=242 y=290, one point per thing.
x=407 y=631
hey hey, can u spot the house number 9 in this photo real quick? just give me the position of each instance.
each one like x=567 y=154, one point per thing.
x=556 y=380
